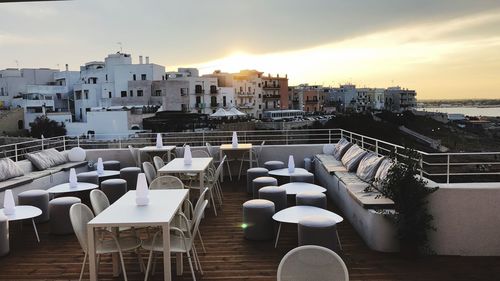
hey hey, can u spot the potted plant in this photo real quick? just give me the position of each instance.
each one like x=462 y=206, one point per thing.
x=409 y=192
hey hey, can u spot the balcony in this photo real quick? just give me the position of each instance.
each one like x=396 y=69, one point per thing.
x=245 y=94
x=214 y=91
x=271 y=97
x=214 y=105
x=311 y=101
x=246 y=106
x=199 y=92
x=271 y=87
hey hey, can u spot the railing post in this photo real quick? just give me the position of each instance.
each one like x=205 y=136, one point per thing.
x=421 y=166
x=120 y=143
x=42 y=142
x=203 y=138
x=376 y=147
x=286 y=136
x=448 y=169
x=329 y=136
x=78 y=141
x=64 y=142
x=341 y=133
x=15 y=151
x=362 y=142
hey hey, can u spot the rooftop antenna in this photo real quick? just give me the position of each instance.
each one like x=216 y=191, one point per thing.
x=121 y=46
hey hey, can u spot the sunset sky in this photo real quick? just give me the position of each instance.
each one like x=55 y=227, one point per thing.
x=443 y=49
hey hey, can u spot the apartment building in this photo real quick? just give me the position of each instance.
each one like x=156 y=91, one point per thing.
x=115 y=82
x=399 y=99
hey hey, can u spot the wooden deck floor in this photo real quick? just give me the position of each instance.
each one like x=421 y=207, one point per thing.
x=230 y=257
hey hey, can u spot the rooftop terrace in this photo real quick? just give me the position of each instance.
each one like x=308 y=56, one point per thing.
x=230 y=257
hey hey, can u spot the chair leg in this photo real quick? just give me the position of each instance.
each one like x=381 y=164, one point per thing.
x=83 y=266
x=149 y=264
x=195 y=256
x=241 y=167
x=202 y=244
x=123 y=265
x=229 y=171
x=191 y=265
x=213 y=201
x=198 y=260
x=338 y=240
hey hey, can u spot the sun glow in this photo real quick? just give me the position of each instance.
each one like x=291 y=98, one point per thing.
x=410 y=56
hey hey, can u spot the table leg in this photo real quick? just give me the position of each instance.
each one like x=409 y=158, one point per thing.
x=179 y=260
x=250 y=152
x=166 y=252
x=277 y=236
x=115 y=256
x=91 y=250
x=169 y=156
x=36 y=231
x=139 y=159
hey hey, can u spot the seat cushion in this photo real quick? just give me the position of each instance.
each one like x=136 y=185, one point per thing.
x=330 y=163
x=14 y=182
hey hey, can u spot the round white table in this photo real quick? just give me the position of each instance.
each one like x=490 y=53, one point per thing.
x=65 y=188
x=294 y=188
x=296 y=213
x=285 y=173
x=23 y=213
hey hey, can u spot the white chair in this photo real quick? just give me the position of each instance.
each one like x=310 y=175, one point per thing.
x=180 y=242
x=80 y=215
x=190 y=219
x=159 y=163
x=198 y=153
x=256 y=152
x=135 y=155
x=150 y=171
x=99 y=201
x=216 y=157
x=312 y=262
x=166 y=182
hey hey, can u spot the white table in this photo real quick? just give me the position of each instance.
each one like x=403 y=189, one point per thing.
x=65 y=188
x=198 y=166
x=296 y=213
x=294 y=188
x=163 y=205
x=285 y=173
x=23 y=213
x=240 y=147
x=154 y=149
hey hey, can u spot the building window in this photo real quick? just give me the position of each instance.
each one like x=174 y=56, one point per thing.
x=184 y=91
x=58 y=96
x=131 y=93
x=143 y=76
x=110 y=95
x=106 y=77
x=1 y=92
x=260 y=106
x=258 y=85
x=78 y=95
x=124 y=94
x=134 y=77
x=198 y=89
x=86 y=92
x=157 y=93
x=140 y=93
x=259 y=96
x=224 y=101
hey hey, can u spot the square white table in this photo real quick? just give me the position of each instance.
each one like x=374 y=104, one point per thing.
x=240 y=147
x=152 y=148
x=160 y=211
x=198 y=166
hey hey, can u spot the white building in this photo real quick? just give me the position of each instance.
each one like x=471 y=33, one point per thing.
x=104 y=84
x=203 y=91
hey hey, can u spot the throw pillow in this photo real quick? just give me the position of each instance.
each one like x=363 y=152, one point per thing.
x=382 y=172
x=368 y=166
x=9 y=169
x=352 y=157
x=340 y=148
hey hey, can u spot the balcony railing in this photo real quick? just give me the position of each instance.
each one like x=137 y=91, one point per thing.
x=271 y=96
x=440 y=167
x=246 y=94
x=199 y=92
x=214 y=104
x=271 y=87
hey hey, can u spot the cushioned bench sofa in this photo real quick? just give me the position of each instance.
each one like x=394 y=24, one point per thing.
x=346 y=171
x=30 y=176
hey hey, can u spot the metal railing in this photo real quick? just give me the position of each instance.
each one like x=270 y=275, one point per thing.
x=440 y=167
